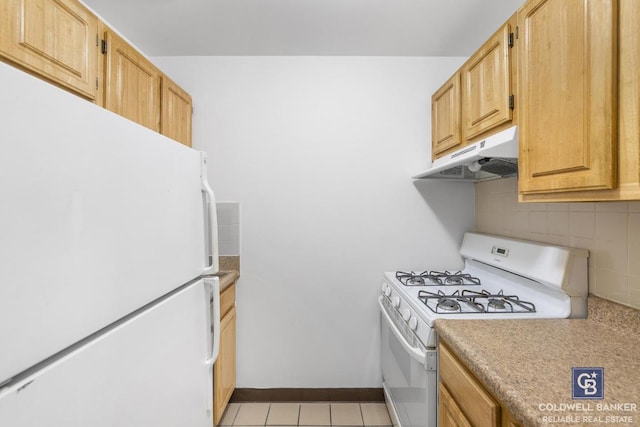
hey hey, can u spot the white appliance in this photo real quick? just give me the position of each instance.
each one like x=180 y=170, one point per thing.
x=108 y=313
x=493 y=157
x=502 y=278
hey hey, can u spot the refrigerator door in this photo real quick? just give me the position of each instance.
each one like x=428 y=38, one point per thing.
x=150 y=370
x=99 y=216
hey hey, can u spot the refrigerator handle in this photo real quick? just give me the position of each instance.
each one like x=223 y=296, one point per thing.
x=213 y=314
x=212 y=295
x=211 y=220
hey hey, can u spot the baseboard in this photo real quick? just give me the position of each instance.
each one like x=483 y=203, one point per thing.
x=308 y=395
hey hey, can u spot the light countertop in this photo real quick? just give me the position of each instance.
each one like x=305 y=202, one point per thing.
x=527 y=364
x=227 y=278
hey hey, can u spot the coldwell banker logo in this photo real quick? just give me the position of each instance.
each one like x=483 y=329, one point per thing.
x=588 y=383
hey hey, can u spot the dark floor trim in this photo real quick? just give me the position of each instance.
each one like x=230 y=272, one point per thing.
x=308 y=395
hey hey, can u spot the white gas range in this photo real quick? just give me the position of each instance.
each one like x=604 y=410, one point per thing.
x=502 y=278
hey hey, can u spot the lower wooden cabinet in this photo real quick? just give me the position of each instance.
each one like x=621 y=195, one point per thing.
x=449 y=412
x=463 y=400
x=224 y=370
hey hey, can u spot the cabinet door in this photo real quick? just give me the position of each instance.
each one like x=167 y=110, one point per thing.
x=445 y=117
x=224 y=373
x=55 y=39
x=132 y=83
x=449 y=413
x=508 y=420
x=176 y=112
x=486 y=86
x=567 y=87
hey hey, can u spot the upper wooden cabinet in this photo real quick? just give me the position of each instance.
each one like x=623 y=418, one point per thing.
x=478 y=99
x=445 y=117
x=59 y=40
x=55 y=39
x=132 y=83
x=487 y=100
x=625 y=121
x=176 y=112
x=567 y=86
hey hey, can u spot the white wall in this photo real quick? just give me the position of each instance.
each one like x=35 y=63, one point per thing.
x=319 y=151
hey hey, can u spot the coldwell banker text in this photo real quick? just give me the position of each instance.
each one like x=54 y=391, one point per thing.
x=587 y=412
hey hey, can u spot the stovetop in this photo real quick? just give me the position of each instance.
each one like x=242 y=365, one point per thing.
x=476 y=292
x=502 y=278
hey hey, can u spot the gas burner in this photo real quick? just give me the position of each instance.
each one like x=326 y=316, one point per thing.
x=415 y=281
x=453 y=280
x=456 y=279
x=448 y=304
x=497 y=304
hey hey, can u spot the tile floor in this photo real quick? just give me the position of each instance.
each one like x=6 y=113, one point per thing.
x=305 y=414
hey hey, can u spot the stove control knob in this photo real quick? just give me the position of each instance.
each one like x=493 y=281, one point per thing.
x=395 y=302
x=406 y=314
x=384 y=286
x=387 y=291
x=413 y=323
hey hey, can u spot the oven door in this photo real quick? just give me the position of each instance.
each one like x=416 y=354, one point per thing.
x=409 y=372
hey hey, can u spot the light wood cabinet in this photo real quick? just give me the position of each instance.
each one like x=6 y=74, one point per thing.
x=449 y=413
x=627 y=183
x=176 y=112
x=224 y=370
x=132 y=83
x=445 y=117
x=487 y=95
x=478 y=98
x=470 y=397
x=62 y=41
x=508 y=420
x=463 y=401
x=567 y=86
x=54 y=39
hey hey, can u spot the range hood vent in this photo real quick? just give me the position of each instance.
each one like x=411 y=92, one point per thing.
x=491 y=158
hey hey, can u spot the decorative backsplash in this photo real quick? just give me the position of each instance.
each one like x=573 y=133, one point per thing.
x=609 y=230
x=228 y=228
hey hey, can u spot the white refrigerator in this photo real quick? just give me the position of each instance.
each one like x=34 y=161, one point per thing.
x=109 y=315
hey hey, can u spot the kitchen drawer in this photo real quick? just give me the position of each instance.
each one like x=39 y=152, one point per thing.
x=473 y=400
x=227 y=300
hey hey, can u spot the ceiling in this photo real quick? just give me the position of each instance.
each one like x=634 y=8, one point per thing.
x=306 y=27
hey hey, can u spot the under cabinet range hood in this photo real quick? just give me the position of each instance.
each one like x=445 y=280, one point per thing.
x=490 y=158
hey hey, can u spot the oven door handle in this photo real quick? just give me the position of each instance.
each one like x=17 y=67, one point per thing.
x=413 y=351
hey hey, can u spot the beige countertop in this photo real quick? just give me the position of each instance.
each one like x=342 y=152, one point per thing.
x=229 y=271
x=527 y=364
x=227 y=277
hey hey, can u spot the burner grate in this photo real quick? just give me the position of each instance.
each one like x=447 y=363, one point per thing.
x=436 y=278
x=468 y=301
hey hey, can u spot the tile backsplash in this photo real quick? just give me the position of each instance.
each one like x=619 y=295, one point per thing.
x=228 y=228
x=609 y=230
